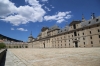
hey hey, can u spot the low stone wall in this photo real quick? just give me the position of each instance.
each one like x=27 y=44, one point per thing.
x=2 y=56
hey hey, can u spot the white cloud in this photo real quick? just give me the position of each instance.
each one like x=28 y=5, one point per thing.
x=22 y=14
x=22 y=29
x=47 y=8
x=44 y=0
x=61 y=20
x=33 y=12
x=59 y=17
x=12 y=29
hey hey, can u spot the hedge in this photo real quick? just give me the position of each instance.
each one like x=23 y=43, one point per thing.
x=2 y=45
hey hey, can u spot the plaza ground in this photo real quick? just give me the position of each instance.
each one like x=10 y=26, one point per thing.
x=53 y=57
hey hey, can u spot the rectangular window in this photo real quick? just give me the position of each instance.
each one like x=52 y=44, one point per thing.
x=98 y=30
x=99 y=36
x=83 y=38
x=74 y=26
x=89 y=22
x=72 y=35
x=65 y=44
x=78 y=34
x=75 y=34
x=97 y=20
x=91 y=42
x=69 y=40
x=90 y=37
x=69 y=43
x=84 y=43
x=90 y=32
x=83 y=33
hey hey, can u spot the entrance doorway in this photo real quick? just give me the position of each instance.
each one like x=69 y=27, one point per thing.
x=44 y=45
x=76 y=44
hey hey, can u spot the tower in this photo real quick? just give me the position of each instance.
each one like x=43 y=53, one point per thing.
x=93 y=15
x=83 y=19
x=30 y=38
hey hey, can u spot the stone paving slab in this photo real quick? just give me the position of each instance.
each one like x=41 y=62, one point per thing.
x=12 y=60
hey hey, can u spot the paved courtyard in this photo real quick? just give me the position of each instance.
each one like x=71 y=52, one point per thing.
x=53 y=57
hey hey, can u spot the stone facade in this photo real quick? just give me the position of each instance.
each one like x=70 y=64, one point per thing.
x=84 y=33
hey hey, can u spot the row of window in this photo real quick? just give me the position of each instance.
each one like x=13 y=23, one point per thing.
x=78 y=34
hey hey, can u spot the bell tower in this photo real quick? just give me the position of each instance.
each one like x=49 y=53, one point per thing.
x=30 y=38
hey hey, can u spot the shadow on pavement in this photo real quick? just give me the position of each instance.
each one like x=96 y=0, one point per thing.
x=2 y=63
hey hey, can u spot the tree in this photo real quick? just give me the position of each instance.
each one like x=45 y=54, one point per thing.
x=2 y=45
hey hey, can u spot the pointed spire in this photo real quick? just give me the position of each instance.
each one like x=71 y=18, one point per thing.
x=93 y=15
x=83 y=19
x=82 y=16
x=31 y=33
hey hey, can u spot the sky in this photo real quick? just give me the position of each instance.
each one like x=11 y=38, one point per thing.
x=19 y=17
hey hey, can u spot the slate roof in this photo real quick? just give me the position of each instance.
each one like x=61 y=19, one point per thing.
x=90 y=22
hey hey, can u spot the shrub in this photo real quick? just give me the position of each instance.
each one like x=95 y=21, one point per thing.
x=2 y=45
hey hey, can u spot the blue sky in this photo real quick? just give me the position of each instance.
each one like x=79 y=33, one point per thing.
x=19 y=17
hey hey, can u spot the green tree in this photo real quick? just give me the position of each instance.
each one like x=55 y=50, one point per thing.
x=2 y=45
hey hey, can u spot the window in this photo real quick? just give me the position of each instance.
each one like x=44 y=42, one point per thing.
x=90 y=37
x=99 y=36
x=97 y=20
x=69 y=43
x=83 y=33
x=90 y=32
x=89 y=22
x=84 y=46
x=61 y=44
x=61 y=41
x=65 y=40
x=83 y=38
x=78 y=34
x=98 y=30
x=82 y=29
x=65 y=44
x=69 y=40
x=74 y=26
x=75 y=34
x=84 y=43
x=91 y=42
x=72 y=35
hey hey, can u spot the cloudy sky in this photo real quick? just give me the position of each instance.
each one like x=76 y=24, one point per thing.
x=19 y=17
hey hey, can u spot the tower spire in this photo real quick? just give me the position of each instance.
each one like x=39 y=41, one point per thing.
x=93 y=15
x=83 y=19
x=31 y=32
